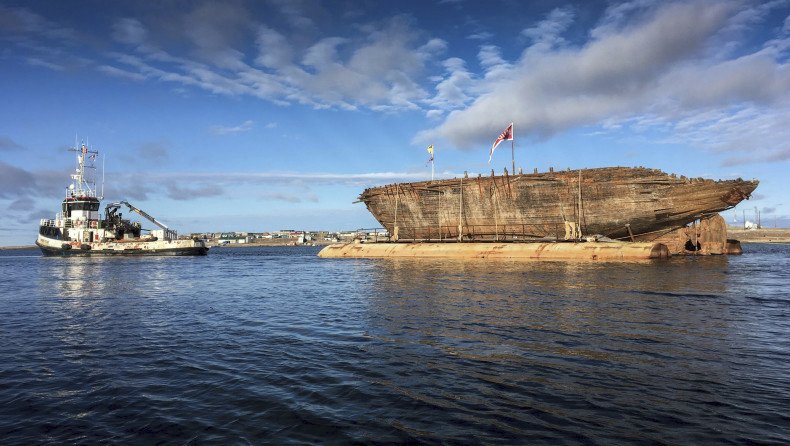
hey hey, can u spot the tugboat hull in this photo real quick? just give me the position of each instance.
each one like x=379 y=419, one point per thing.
x=53 y=247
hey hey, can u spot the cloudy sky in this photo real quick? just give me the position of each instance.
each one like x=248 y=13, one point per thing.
x=263 y=115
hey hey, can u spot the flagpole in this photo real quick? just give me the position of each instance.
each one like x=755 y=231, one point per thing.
x=431 y=150
x=512 y=147
x=513 y=155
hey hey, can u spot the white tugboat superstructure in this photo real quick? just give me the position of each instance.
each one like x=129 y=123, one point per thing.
x=79 y=228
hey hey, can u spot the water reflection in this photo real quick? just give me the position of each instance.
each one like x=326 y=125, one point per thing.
x=575 y=328
x=276 y=345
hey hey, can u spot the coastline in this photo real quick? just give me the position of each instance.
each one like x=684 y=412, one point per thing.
x=765 y=235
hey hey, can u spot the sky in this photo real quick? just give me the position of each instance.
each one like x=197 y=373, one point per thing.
x=267 y=115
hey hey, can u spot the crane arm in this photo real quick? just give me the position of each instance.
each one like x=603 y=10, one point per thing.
x=171 y=234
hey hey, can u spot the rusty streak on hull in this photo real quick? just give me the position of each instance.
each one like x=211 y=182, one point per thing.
x=540 y=205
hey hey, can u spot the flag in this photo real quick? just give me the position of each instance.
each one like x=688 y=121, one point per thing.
x=93 y=157
x=430 y=150
x=84 y=149
x=507 y=135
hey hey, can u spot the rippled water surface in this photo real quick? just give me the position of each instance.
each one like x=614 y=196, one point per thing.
x=274 y=345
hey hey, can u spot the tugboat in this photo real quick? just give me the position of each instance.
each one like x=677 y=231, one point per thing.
x=79 y=229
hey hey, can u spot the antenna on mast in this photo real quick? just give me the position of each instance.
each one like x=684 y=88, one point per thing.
x=103 y=158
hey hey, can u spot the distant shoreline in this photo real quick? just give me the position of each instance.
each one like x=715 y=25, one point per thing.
x=765 y=235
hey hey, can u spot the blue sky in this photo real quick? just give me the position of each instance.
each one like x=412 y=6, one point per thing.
x=262 y=115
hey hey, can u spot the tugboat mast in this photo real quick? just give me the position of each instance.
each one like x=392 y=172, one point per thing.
x=81 y=187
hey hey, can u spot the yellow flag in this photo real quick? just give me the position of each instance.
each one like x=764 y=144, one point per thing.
x=430 y=149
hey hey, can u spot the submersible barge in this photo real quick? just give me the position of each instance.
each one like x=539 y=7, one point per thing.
x=613 y=213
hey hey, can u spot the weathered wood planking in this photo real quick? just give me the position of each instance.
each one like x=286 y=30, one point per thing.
x=539 y=205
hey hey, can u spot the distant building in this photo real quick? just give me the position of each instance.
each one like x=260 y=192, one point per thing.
x=233 y=237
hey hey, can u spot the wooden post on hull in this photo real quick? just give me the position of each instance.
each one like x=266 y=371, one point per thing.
x=579 y=216
x=395 y=226
x=439 y=218
x=460 y=210
x=494 y=189
x=630 y=233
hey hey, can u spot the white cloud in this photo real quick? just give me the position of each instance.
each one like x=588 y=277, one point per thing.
x=221 y=130
x=180 y=192
x=619 y=15
x=648 y=60
x=494 y=65
x=117 y=72
x=451 y=92
x=323 y=55
x=274 y=49
x=129 y=31
x=214 y=28
x=294 y=12
x=489 y=56
x=434 y=114
x=547 y=33
x=24 y=22
x=483 y=35
x=289 y=197
x=647 y=65
x=38 y=62
x=378 y=66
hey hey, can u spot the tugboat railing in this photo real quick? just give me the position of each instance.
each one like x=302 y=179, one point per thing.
x=47 y=222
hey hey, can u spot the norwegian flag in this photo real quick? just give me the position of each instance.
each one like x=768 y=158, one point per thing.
x=507 y=135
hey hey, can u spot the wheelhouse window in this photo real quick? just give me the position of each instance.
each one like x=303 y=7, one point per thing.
x=80 y=206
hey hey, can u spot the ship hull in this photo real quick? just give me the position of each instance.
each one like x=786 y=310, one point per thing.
x=54 y=247
x=615 y=202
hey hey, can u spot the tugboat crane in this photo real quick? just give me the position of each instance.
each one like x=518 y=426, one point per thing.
x=169 y=233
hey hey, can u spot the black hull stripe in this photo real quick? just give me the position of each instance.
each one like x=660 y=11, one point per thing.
x=193 y=251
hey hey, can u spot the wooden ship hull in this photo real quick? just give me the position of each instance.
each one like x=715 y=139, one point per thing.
x=616 y=202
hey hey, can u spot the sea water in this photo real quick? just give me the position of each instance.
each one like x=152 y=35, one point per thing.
x=274 y=345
